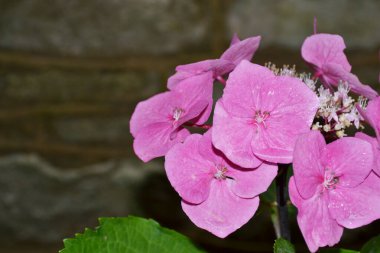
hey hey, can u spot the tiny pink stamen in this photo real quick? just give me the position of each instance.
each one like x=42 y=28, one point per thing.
x=177 y=113
x=260 y=118
x=220 y=173
x=330 y=179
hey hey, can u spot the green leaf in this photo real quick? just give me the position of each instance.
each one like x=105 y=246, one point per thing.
x=372 y=246
x=283 y=246
x=131 y=234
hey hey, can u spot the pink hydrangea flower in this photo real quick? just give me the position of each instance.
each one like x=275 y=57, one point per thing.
x=157 y=123
x=260 y=115
x=372 y=115
x=217 y=195
x=333 y=187
x=238 y=51
x=325 y=52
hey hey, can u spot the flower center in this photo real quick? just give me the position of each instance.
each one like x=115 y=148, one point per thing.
x=260 y=117
x=177 y=113
x=220 y=173
x=330 y=179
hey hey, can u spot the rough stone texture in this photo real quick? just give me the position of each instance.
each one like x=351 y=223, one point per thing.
x=103 y=130
x=287 y=23
x=58 y=86
x=71 y=117
x=98 y=27
x=42 y=203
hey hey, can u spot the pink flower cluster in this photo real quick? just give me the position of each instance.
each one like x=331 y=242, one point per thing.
x=264 y=118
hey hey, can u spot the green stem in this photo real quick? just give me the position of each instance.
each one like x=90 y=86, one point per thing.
x=281 y=189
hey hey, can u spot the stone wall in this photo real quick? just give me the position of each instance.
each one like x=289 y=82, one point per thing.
x=71 y=73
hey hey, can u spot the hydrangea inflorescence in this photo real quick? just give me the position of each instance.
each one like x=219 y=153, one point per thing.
x=265 y=117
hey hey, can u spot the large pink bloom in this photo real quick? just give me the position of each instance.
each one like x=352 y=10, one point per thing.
x=157 y=123
x=372 y=115
x=260 y=116
x=217 y=195
x=238 y=51
x=325 y=52
x=333 y=187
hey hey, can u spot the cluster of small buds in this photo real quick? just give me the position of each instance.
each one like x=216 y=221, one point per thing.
x=286 y=70
x=308 y=80
x=337 y=111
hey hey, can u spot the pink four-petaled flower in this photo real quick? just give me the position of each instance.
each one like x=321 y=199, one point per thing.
x=157 y=123
x=217 y=195
x=260 y=115
x=325 y=52
x=333 y=187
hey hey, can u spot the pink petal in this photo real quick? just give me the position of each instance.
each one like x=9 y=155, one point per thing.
x=216 y=66
x=318 y=228
x=292 y=106
x=294 y=194
x=235 y=39
x=193 y=111
x=274 y=155
x=356 y=207
x=152 y=110
x=273 y=145
x=372 y=115
x=242 y=50
x=350 y=158
x=195 y=93
x=290 y=97
x=241 y=96
x=375 y=149
x=159 y=109
x=207 y=150
x=245 y=183
x=223 y=212
x=177 y=78
x=363 y=113
x=233 y=136
x=188 y=171
x=307 y=167
x=249 y=183
x=155 y=140
x=319 y=49
x=334 y=73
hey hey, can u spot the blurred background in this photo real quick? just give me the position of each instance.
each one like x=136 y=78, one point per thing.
x=71 y=73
